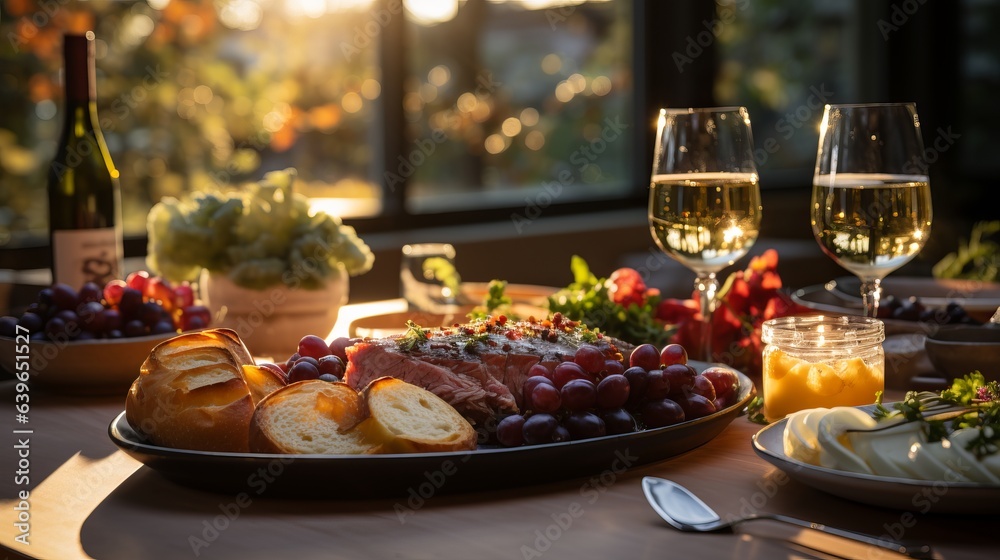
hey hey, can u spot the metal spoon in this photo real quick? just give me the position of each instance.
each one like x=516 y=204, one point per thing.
x=686 y=512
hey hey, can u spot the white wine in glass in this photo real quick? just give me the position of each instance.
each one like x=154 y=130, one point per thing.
x=705 y=222
x=871 y=200
x=704 y=197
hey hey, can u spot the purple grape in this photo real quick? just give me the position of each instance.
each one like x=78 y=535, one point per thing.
x=31 y=322
x=657 y=385
x=566 y=371
x=584 y=425
x=539 y=428
x=530 y=384
x=89 y=292
x=64 y=296
x=301 y=371
x=56 y=329
x=331 y=365
x=45 y=296
x=92 y=316
x=545 y=398
x=163 y=327
x=44 y=305
x=313 y=346
x=681 y=378
x=613 y=367
x=589 y=358
x=338 y=347
x=510 y=431
x=131 y=303
x=309 y=360
x=328 y=377
x=561 y=434
x=578 y=395
x=67 y=316
x=645 y=356
x=540 y=370
x=150 y=313
x=8 y=326
x=613 y=391
x=663 y=412
x=112 y=320
x=618 y=421
x=134 y=328
x=638 y=379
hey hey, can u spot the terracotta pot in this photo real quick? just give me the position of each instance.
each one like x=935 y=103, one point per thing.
x=271 y=321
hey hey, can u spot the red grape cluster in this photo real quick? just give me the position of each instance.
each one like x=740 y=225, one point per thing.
x=138 y=306
x=314 y=359
x=590 y=396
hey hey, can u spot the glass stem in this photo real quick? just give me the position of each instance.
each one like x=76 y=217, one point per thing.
x=871 y=293
x=707 y=285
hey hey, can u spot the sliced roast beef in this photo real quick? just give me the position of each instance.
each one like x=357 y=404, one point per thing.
x=478 y=368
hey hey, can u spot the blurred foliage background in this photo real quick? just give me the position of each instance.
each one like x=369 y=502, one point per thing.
x=499 y=97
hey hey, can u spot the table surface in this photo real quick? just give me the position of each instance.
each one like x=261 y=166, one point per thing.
x=90 y=500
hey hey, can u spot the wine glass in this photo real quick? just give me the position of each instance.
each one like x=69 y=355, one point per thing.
x=704 y=201
x=871 y=199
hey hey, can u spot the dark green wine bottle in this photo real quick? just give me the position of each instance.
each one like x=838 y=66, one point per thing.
x=84 y=195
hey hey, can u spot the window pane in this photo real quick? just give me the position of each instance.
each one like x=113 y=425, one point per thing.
x=195 y=95
x=980 y=73
x=505 y=98
x=784 y=60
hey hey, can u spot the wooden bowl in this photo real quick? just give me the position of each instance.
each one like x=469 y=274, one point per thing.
x=958 y=350
x=84 y=367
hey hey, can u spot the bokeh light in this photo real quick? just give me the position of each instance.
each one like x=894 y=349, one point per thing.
x=511 y=127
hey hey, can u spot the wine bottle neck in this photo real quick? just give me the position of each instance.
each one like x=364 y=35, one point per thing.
x=78 y=70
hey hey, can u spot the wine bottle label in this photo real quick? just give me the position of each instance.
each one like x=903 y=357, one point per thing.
x=84 y=255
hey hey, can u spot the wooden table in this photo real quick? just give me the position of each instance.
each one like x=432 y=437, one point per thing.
x=74 y=465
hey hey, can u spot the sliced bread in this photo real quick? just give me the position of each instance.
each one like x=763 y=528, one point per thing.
x=407 y=419
x=312 y=416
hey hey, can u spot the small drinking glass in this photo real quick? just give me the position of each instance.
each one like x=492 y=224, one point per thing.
x=429 y=279
x=704 y=200
x=871 y=199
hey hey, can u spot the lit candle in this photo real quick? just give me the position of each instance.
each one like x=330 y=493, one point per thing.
x=819 y=361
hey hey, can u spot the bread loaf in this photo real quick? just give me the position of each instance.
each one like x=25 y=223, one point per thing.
x=193 y=393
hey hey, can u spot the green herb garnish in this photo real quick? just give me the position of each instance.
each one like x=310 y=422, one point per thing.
x=970 y=402
x=755 y=411
x=587 y=300
x=495 y=301
x=414 y=335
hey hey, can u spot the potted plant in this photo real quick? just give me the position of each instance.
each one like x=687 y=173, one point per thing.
x=267 y=266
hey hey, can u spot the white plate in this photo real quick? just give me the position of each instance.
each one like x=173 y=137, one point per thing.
x=919 y=496
x=94 y=367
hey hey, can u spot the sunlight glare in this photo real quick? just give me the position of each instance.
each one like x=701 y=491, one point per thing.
x=244 y=15
x=431 y=12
